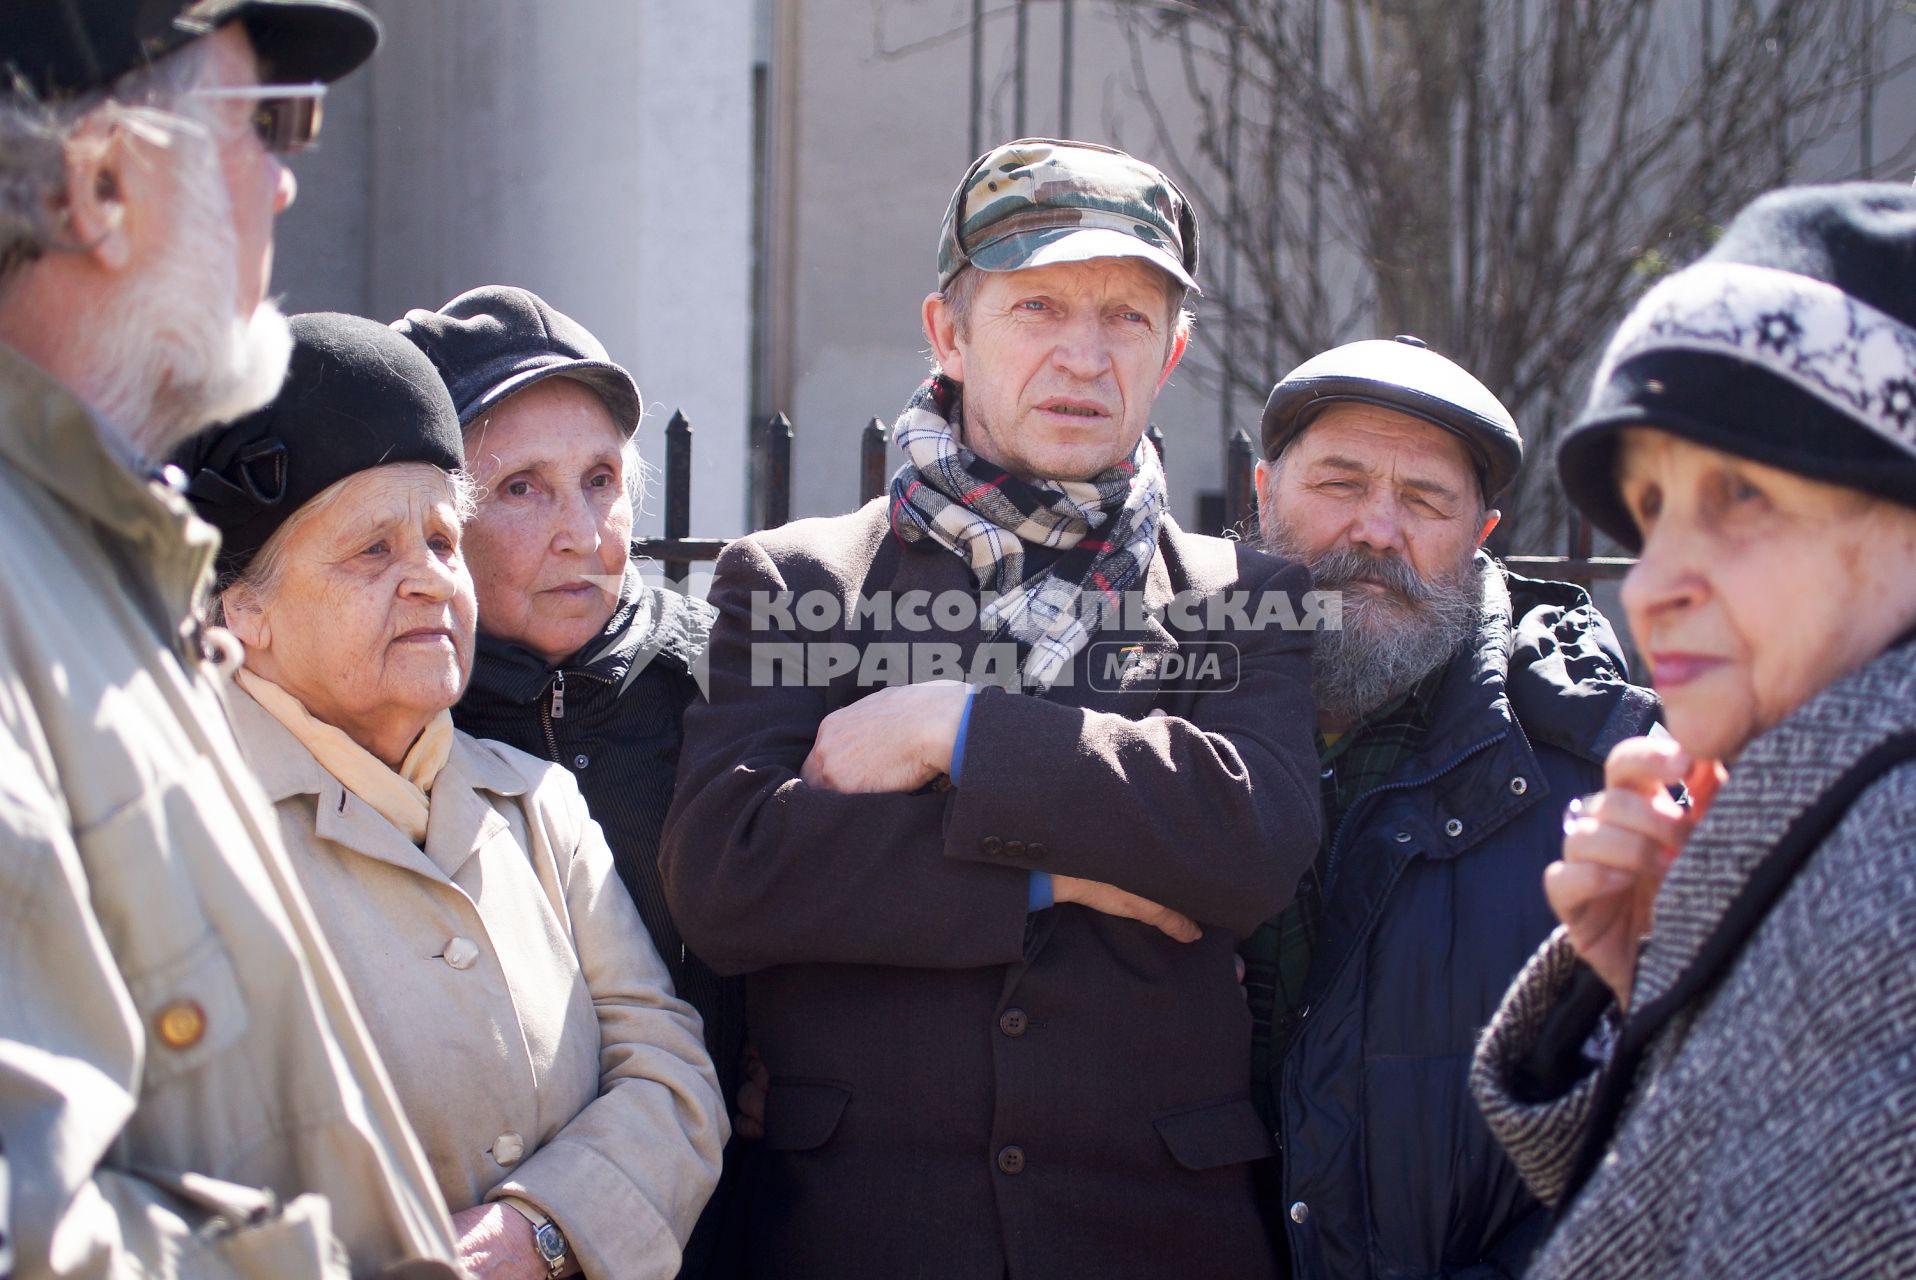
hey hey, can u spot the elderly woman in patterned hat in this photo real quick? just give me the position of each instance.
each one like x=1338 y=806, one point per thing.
x=561 y=1091
x=1710 y=1069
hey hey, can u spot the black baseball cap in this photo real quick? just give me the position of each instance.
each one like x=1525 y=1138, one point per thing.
x=57 y=48
x=495 y=340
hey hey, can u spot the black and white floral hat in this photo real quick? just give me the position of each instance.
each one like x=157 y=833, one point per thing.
x=1791 y=343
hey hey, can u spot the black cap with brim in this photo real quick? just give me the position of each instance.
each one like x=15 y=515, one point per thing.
x=57 y=48
x=496 y=340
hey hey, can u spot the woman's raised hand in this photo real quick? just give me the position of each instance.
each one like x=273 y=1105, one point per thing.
x=1617 y=845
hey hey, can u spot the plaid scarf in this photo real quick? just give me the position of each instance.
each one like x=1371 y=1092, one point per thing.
x=1107 y=527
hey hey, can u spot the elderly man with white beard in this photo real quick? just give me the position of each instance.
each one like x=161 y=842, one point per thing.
x=1459 y=707
x=185 y=1085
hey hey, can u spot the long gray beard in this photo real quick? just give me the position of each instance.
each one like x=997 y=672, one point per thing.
x=1389 y=640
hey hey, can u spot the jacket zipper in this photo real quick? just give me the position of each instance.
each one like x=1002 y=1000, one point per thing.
x=553 y=710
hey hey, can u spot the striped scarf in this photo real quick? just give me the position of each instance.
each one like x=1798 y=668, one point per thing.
x=1107 y=527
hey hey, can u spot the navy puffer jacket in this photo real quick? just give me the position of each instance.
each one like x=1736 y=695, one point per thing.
x=1433 y=901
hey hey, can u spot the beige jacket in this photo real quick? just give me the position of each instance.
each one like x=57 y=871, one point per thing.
x=176 y=1041
x=529 y=1025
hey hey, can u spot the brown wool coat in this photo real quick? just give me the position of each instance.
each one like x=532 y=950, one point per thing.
x=961 y=1090
x=526 y=1019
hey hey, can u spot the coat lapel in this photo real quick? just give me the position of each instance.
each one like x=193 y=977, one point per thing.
x=463 y=822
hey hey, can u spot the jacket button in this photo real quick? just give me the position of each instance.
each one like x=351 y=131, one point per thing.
x=581 y=760
x=1300 y=1213
x=1014 y=848
x=1402 y=837
x=507 y=1148
x=1034 y=851
x=991 y=846
x=1518 y=786
x=1013 y=1022
x=1011 y=1160
x=461 y=953
x=181 y=1024
x=1453 y=828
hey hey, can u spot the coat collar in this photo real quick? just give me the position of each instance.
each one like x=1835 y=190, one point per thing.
x=61 y=446
x=1781 y=775
x=649 y=624
x=462 y=820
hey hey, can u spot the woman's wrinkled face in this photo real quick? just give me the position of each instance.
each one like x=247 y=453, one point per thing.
x=554 y=528
x=1756 y=587
x=371 y=622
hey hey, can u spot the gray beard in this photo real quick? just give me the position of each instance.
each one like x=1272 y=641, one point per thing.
x=1389 y=639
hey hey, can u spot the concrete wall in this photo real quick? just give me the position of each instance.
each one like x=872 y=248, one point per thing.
x=596 y=152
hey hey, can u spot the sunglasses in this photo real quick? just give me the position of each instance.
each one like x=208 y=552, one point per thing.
x=284 y=116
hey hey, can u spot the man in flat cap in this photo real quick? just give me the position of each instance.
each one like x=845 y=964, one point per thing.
x=185 y=1085
x=990 y=782
x=1459 y=706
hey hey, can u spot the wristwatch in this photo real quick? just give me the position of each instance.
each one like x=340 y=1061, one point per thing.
x=546 y=1237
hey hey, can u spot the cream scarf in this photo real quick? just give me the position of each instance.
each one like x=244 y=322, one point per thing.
x=402 y=798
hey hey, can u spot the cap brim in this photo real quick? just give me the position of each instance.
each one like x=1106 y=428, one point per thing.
x=299 y=41
x=1053 y=245
x=613 y=385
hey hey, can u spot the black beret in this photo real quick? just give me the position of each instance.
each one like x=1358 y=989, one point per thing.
x=1792 y=343
x=494 y=340
x=357 y=396
x=60 y=47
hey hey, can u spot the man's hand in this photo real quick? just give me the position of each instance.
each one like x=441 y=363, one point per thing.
x=495 y=1243
x=754 y=1087
x=896 y=739
x=1618 y=844
x=1116 y=902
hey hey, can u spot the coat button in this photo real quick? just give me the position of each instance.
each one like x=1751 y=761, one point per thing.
x=1300 y=1213
x=991 y=846
x=181 y=1024
x=1014 y=848
x=1013 y=1022
x=1034 y=851
x=581 y=760
x=1011 y=1160
x=461 y=953
x=1402 y=837
x=1453 y=828
x=1518 y=786
x=507 y=1148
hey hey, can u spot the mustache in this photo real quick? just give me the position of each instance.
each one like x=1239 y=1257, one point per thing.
x=1341 y=566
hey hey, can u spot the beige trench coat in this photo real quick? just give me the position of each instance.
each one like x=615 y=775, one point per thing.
x=528 y=1023
x=175 y=1039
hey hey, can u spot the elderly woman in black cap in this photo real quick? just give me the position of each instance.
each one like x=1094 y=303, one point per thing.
x=561 y=1092
x=579 y=661
x=1710 y=1069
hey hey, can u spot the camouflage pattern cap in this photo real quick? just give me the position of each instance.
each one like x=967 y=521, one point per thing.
x=1037 y=201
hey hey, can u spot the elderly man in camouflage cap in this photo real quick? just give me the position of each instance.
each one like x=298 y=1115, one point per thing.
x=963 y=810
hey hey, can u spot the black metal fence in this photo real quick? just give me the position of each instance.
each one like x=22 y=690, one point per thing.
x=769 y=503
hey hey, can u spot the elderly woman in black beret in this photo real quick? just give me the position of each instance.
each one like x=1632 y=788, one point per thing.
x=1710 y=1069
x=560 y=1090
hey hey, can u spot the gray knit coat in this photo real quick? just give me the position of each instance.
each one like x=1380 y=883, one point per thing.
x=1770 y=1126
